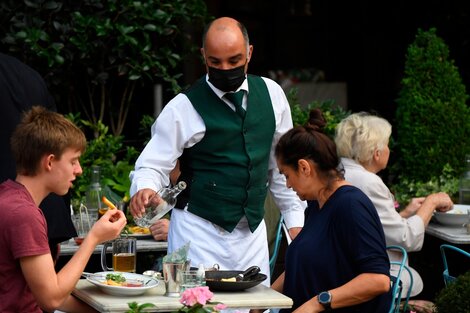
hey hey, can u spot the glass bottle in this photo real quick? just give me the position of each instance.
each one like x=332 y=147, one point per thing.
x=464 y=185
x=156 y=211
x=94 y=194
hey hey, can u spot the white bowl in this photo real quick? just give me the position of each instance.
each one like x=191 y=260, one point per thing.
x=458 y=216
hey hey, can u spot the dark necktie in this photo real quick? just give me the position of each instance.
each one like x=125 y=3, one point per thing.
x=237 y=99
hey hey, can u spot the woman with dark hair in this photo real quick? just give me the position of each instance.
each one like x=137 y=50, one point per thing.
x=339 y=260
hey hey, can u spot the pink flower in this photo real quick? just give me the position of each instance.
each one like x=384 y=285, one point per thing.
x=196 y=295
x=220 y=306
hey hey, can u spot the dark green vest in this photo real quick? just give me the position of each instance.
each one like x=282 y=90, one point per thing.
x=227 y=171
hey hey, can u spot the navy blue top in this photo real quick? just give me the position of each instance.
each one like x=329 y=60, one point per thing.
x=337 y=243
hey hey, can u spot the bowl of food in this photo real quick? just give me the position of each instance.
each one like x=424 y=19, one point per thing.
x=457 y=217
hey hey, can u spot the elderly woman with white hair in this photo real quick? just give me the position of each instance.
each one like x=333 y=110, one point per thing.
x=362 y=143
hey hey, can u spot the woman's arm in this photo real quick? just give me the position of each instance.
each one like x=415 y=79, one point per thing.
x=362 y=288
x=278 y=285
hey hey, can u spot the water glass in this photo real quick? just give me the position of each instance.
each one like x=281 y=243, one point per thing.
x=82 y=225
x=191 y=279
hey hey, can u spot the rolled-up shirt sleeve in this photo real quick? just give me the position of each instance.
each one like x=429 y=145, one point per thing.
x=291 y=207
x=177 y=127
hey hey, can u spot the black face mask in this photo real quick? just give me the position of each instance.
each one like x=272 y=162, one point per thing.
x=227 y=80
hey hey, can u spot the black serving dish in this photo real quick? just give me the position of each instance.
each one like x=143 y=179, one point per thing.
x=213 y=281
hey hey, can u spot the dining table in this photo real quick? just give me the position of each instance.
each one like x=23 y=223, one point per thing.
x=428 y=261
x=451 y=234
x=147 y=244
x=149 y=252
x=257 y=297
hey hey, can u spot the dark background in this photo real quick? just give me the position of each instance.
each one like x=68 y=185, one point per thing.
x=362 y=43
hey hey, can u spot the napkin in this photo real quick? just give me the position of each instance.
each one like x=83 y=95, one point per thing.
x=178 y=256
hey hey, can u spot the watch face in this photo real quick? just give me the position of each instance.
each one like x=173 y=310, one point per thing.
x=324 y=297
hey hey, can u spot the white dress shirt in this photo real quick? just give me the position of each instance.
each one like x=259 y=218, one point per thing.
x=178 y=127
x=405 y=232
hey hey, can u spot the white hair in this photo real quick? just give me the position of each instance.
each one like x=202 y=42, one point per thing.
x=359 y=135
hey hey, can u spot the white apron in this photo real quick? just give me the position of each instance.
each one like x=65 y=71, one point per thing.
x=211 y=244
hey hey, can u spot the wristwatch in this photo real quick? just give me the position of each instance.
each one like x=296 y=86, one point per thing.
x=324 y=298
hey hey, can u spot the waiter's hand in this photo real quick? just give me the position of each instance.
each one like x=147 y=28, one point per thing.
x=160 y=228
x=294 y=231
x=140 y=200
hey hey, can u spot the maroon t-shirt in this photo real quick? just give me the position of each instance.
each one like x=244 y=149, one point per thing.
x=23 y=232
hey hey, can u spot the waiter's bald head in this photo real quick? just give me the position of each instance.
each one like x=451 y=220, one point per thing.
x=225 y=26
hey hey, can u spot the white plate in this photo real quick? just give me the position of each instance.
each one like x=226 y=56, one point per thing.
x=140 y=236
x=149 y=283
x=456 y=217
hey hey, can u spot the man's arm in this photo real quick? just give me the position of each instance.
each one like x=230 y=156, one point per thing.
x=52 y=290
x=291 y=207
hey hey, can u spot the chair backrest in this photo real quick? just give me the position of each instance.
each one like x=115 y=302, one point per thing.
x=286 y=233
x=447 y=277
x=277 y=244
x=396 y=285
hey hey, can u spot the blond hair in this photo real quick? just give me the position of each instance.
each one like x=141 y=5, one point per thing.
x=43 y=132
x=359 y=135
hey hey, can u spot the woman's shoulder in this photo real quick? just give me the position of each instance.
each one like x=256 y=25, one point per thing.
x=351 y=196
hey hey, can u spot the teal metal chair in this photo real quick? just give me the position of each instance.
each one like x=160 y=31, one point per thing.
x=277 y=244
x=396 y=285
x=446 y=275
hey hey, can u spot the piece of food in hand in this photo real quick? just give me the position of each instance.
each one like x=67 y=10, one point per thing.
x=108 y=203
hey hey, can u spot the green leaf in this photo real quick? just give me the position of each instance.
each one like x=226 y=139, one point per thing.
x=21 y=35
x=59 y=59
x=150 y=27
x=51 y=5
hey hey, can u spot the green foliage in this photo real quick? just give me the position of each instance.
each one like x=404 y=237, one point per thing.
x=92 y=53
x=455 y=297
x=432 y=118
x=332 y=113
x=108 y=151
x=447 y=182
x=134 y=307
x=145 y=125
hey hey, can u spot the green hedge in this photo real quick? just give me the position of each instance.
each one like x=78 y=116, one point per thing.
x=432 y=121
x=432 y=118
